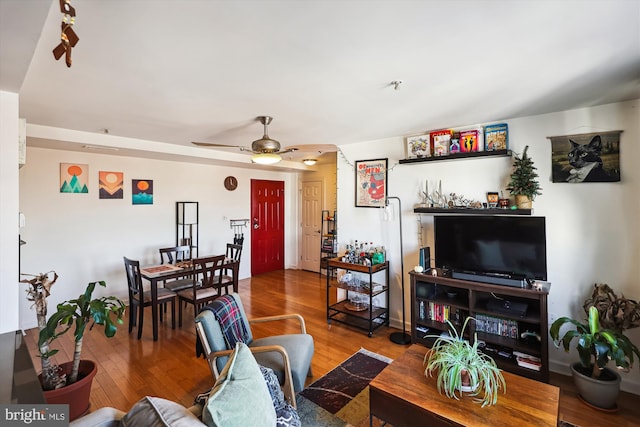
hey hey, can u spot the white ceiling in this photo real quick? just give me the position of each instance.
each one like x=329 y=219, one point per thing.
x=163 y=73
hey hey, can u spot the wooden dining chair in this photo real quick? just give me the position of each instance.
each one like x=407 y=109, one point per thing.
x=207 y=272
x=172 y=255
x=234 y=252
x=139 y=298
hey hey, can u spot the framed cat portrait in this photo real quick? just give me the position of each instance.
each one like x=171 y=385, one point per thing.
x=587 y=157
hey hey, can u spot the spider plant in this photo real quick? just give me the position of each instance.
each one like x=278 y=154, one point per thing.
x=454 y=359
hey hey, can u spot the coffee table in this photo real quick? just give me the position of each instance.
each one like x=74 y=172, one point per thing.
x=402 y=396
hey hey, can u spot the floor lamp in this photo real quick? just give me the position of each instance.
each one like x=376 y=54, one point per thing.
x=400 y=337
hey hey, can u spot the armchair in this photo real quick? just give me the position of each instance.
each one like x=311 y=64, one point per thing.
x=289 y=355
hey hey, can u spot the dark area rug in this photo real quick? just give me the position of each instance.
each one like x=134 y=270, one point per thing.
x=341 y=397
x=344 y=391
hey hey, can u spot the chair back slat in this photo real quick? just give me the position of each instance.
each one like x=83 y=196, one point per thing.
x=134 y=278
x=174 y=254
x=234 y=252
x=208 y=268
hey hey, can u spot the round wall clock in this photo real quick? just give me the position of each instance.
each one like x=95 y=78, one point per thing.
x=231 y=183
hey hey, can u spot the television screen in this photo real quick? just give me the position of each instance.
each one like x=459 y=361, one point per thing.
x=511 y=246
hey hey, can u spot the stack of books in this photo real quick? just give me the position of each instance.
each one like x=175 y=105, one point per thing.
x=528 y=361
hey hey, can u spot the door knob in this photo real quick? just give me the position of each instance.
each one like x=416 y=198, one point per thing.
x=255 y=224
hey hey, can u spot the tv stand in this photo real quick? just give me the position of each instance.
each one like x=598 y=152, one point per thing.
x=503 y=280
x=510 y=322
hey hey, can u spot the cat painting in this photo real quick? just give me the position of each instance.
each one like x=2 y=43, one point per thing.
x=586 y=158
x=586 y=162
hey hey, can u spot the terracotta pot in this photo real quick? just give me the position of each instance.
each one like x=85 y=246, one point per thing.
x=465 y=382
x=599 y=393
x=523 y=202
x=75 y=395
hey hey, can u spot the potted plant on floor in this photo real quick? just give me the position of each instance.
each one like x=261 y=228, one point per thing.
x=38 y=292
x=461 y=367
x=600 y=340
x=523 y=184
x=82 y=313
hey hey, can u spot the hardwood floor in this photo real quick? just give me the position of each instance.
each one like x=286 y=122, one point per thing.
x=129 y=369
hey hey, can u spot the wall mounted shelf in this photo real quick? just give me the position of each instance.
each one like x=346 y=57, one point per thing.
x=455 y=156
x=470 y=211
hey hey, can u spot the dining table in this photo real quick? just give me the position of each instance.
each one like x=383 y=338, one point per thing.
x=160 y=273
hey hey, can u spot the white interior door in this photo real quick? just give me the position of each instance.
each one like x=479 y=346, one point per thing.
x=311 y=224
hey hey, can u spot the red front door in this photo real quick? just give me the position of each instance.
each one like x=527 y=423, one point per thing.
x=267 y=226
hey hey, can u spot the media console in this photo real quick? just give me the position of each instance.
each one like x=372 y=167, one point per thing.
x=510 y=322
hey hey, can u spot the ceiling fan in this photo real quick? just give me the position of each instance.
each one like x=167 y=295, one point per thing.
x=266 y=150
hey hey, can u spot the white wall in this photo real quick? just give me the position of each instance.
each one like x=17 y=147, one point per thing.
x=84 y=238
x=9 y=288
x=592 y=229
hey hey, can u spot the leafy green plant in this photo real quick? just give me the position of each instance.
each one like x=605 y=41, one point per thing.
x=596 y=346
x=523 y=178
x=82 y=312
x=453 y=359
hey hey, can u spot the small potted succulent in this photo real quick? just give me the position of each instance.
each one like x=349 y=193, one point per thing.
x=600 y=339
x=460 y=367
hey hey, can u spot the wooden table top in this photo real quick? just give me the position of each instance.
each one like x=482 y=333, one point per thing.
x=526 y=402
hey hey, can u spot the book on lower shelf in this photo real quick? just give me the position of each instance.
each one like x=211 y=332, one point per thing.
x=528 y=361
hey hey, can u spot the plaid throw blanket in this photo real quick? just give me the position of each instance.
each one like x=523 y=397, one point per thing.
x=228 y=315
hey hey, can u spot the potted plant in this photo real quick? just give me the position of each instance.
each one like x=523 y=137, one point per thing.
x=523 y=184
x=38 y=292
x=459 y=364
x=82 y=313
x=600 y=340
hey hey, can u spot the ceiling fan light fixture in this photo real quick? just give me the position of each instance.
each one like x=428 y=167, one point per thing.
x=266 y=158
x=310 y=162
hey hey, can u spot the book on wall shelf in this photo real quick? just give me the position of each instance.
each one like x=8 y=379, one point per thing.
x=440 y=140
x=469 y=141
x=496 y=137
x=419 y=146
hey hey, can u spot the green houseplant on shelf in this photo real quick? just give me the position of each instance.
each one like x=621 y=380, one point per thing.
x=81 y=314
x=600 y=340
x=459 y=366
x=523 y=182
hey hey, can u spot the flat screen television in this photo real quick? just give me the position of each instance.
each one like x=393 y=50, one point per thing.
x=499 y=246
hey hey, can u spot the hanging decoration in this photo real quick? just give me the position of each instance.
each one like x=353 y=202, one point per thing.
x=68 y=37
x=587 y=157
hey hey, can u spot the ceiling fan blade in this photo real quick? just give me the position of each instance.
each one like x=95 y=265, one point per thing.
x=212 y=144
x=318 y=148
x=288 y=150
